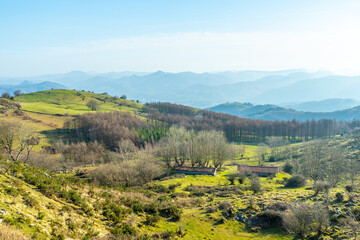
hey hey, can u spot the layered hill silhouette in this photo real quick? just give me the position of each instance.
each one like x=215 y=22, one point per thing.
x=28 y=87
x=288 y=88
x=274 y=112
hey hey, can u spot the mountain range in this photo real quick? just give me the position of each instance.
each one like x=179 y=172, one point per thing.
x=274 y=112
x=287 y=88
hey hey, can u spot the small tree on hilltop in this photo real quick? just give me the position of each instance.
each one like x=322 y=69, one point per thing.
x=93 y=105
x=17 y=93
x=5 y=95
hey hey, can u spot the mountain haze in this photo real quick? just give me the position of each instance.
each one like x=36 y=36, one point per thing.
x=27 y=87
x=276 y=113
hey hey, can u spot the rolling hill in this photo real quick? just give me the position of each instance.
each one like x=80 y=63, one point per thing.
x=274 y=112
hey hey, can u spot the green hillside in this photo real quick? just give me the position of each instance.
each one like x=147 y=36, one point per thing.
x=69 y=102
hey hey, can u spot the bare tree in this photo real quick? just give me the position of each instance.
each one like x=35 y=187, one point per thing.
x=261 y=153
x=221 y=149
x=5 y=95
x=93 y=105
x=313 y=162
x=302 y=219
x=17 y=93
x=16 y=139
x=336 y=166
x=352 y=225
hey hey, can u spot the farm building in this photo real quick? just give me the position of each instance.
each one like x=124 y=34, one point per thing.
x=195 y=170
x=261 y=171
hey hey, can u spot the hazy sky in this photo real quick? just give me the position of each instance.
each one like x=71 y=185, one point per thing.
x=55 y=36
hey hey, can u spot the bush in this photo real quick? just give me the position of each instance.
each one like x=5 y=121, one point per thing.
x=255 y=184
x=227 y=209
x=125 y=230
x=350 y=188
x=151 y=220
x=170 y=211
x=231 y=177
x=241 y=177
x=296 y=182
x=321 y=186
x=339 y=197
x=30 y=201
x=288 y=168
x=113 y=212
x=303 y=219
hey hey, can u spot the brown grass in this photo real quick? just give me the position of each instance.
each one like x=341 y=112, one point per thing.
x=8 y=233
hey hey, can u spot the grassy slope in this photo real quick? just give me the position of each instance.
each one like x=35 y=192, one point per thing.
x=46 y=111
x=42 y=215
x=71 y=103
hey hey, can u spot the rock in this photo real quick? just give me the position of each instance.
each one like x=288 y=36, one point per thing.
x=31 y=225
x=47 y=175
x=1 y=220
x=3 y=212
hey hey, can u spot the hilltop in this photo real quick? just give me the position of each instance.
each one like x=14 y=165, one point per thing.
x=47 y=111
x=71 y=102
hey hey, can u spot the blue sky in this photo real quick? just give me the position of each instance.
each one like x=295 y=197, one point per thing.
x=52 y=36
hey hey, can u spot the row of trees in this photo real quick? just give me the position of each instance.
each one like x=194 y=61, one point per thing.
x=238 y=129
x=202 y=148
x=7 y=95
x=114 y=130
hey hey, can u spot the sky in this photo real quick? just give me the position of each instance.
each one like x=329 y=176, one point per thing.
x=52 y=36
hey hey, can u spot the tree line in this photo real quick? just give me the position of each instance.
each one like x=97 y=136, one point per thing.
x=203 y=149
x=238 y=129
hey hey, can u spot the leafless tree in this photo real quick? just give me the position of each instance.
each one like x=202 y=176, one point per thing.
x=17 y=93
x=261 y=153
x=93 y=105
x=302 y=219
x=16 y=140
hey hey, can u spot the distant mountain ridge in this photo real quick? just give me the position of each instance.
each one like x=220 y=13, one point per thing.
x=327 y=105
x=28 y=87
x=274 y=113
x=212 y=88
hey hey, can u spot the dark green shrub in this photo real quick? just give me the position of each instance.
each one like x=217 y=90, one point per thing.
x=255 y=184
x=231 y=177
x=349 y=188
x=30 y=201
x=171 y=211
x=172 y=187
x=134 y=204
x=113 y=212
x=151 y=220
x=296 y=182
x=124 y=230
x=152 y=208
x=339 y=197
x=288 y=168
